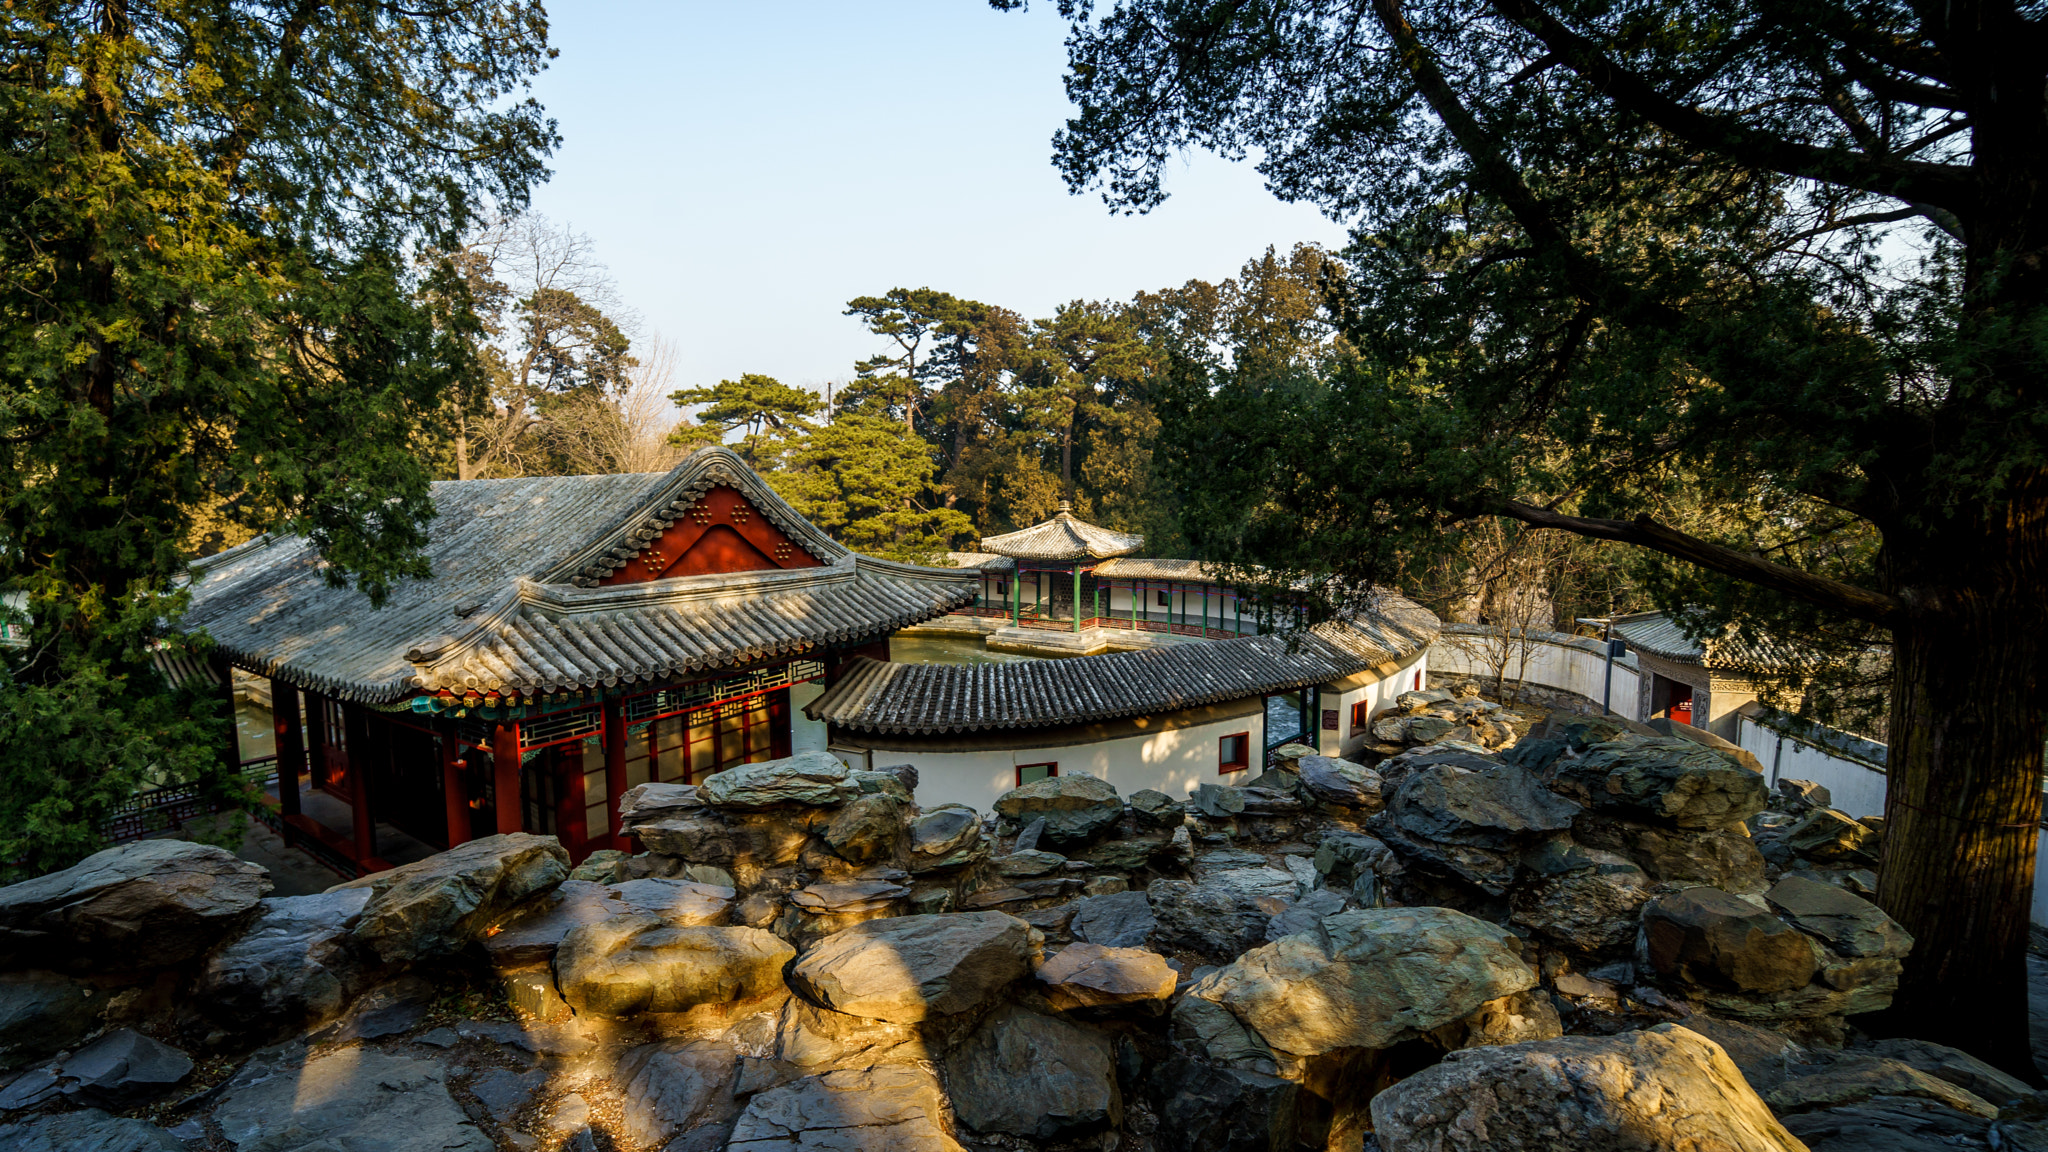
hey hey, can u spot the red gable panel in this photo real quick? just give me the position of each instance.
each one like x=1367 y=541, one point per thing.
x=722 y=532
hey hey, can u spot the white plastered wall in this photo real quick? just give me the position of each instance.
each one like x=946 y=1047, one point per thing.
x=805 y=734
x=1379 y=693
x=1173 y=762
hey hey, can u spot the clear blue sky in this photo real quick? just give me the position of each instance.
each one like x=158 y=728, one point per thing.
x=745 y=169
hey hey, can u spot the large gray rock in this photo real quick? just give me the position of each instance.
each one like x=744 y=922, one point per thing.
x=1369 y=979
x=1668 y=779
x=294 y=967
x=1340 y=782
x=855 y=896
x=88 y=1131
x=147 y=904
x=1214 y=1109
x=1156 y=809
x=1075 y=808
x=1955 y=1066
x=684 y=903
x=1723 y=859
x=1207 y=1030
x=1115 y=920
x=1858 y=1079
x=803 y=1039
x=1848 y=924
x=1306 y=913
x=870 y=828
x=1706 y=938
x=639 y=962
x=122 y=1069
x=944 y=837
x=1477 y=801
x=1471 y=816
x=1092 y=976
x=530 y=933
x=1909 y=1124
x=345 y=1100
x=43 y=1012
x=913 y=967
x=812 y=779
x=891 y=1108
x=1833 y=837
x=1590 y=903
x=675 y=1086
x=649 y=802
x=1022 y=1074
x=439 y=905
x=1221 y=914
x=1637 y=1092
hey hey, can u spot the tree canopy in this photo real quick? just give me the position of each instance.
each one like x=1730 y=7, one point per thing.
x=221 y=301
x=1789 y=262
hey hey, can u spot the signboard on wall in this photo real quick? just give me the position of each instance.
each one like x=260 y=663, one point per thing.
x=1330 y=719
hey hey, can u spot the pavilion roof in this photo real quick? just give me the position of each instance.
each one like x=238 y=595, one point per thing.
x=938 y=698
x=514 y=601
x=1660 y=635
x=1063 y=538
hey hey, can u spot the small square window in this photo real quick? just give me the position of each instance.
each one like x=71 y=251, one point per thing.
x=1165 y=599
x=1234 y=753
x=1002 y=588
x=1361 y=715
x=1027 y=773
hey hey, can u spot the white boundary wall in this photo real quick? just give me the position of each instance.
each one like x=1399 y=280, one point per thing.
x=1555 y=660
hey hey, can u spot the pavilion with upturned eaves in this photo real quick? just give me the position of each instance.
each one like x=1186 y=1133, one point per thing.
x=579 y=635
x=1067 y=575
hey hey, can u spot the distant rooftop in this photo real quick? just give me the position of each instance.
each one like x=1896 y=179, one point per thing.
x=1659 y=635
x=1063 y=538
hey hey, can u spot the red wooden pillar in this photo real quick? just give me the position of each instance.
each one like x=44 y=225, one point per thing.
x=363 y=824
x=569 y=810
x=291 y=744
x=614 y=768
x=454 y=792
x=505 y=776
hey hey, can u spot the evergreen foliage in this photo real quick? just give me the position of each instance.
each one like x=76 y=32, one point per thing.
x=219 y=303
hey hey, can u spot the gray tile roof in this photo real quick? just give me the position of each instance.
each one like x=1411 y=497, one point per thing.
x=513 y=602
x=1660 y=635
x=934 y=698
x=1063 y=538
x=1136 y=568
x=983 y=561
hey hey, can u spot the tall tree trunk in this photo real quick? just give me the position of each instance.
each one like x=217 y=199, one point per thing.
x=1963 y=801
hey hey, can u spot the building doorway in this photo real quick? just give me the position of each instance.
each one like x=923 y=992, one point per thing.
x=1670 y=699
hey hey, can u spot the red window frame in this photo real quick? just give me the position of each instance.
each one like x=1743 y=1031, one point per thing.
x=1224 y=764
x=1361 y=716
x=1052 y=768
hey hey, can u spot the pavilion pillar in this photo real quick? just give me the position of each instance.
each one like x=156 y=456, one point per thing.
x=230 y=749
x=362 y=825
x=615 y=768
x=505 y=776
x=291 y=744
x=1077 y=598
x=454 y=793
